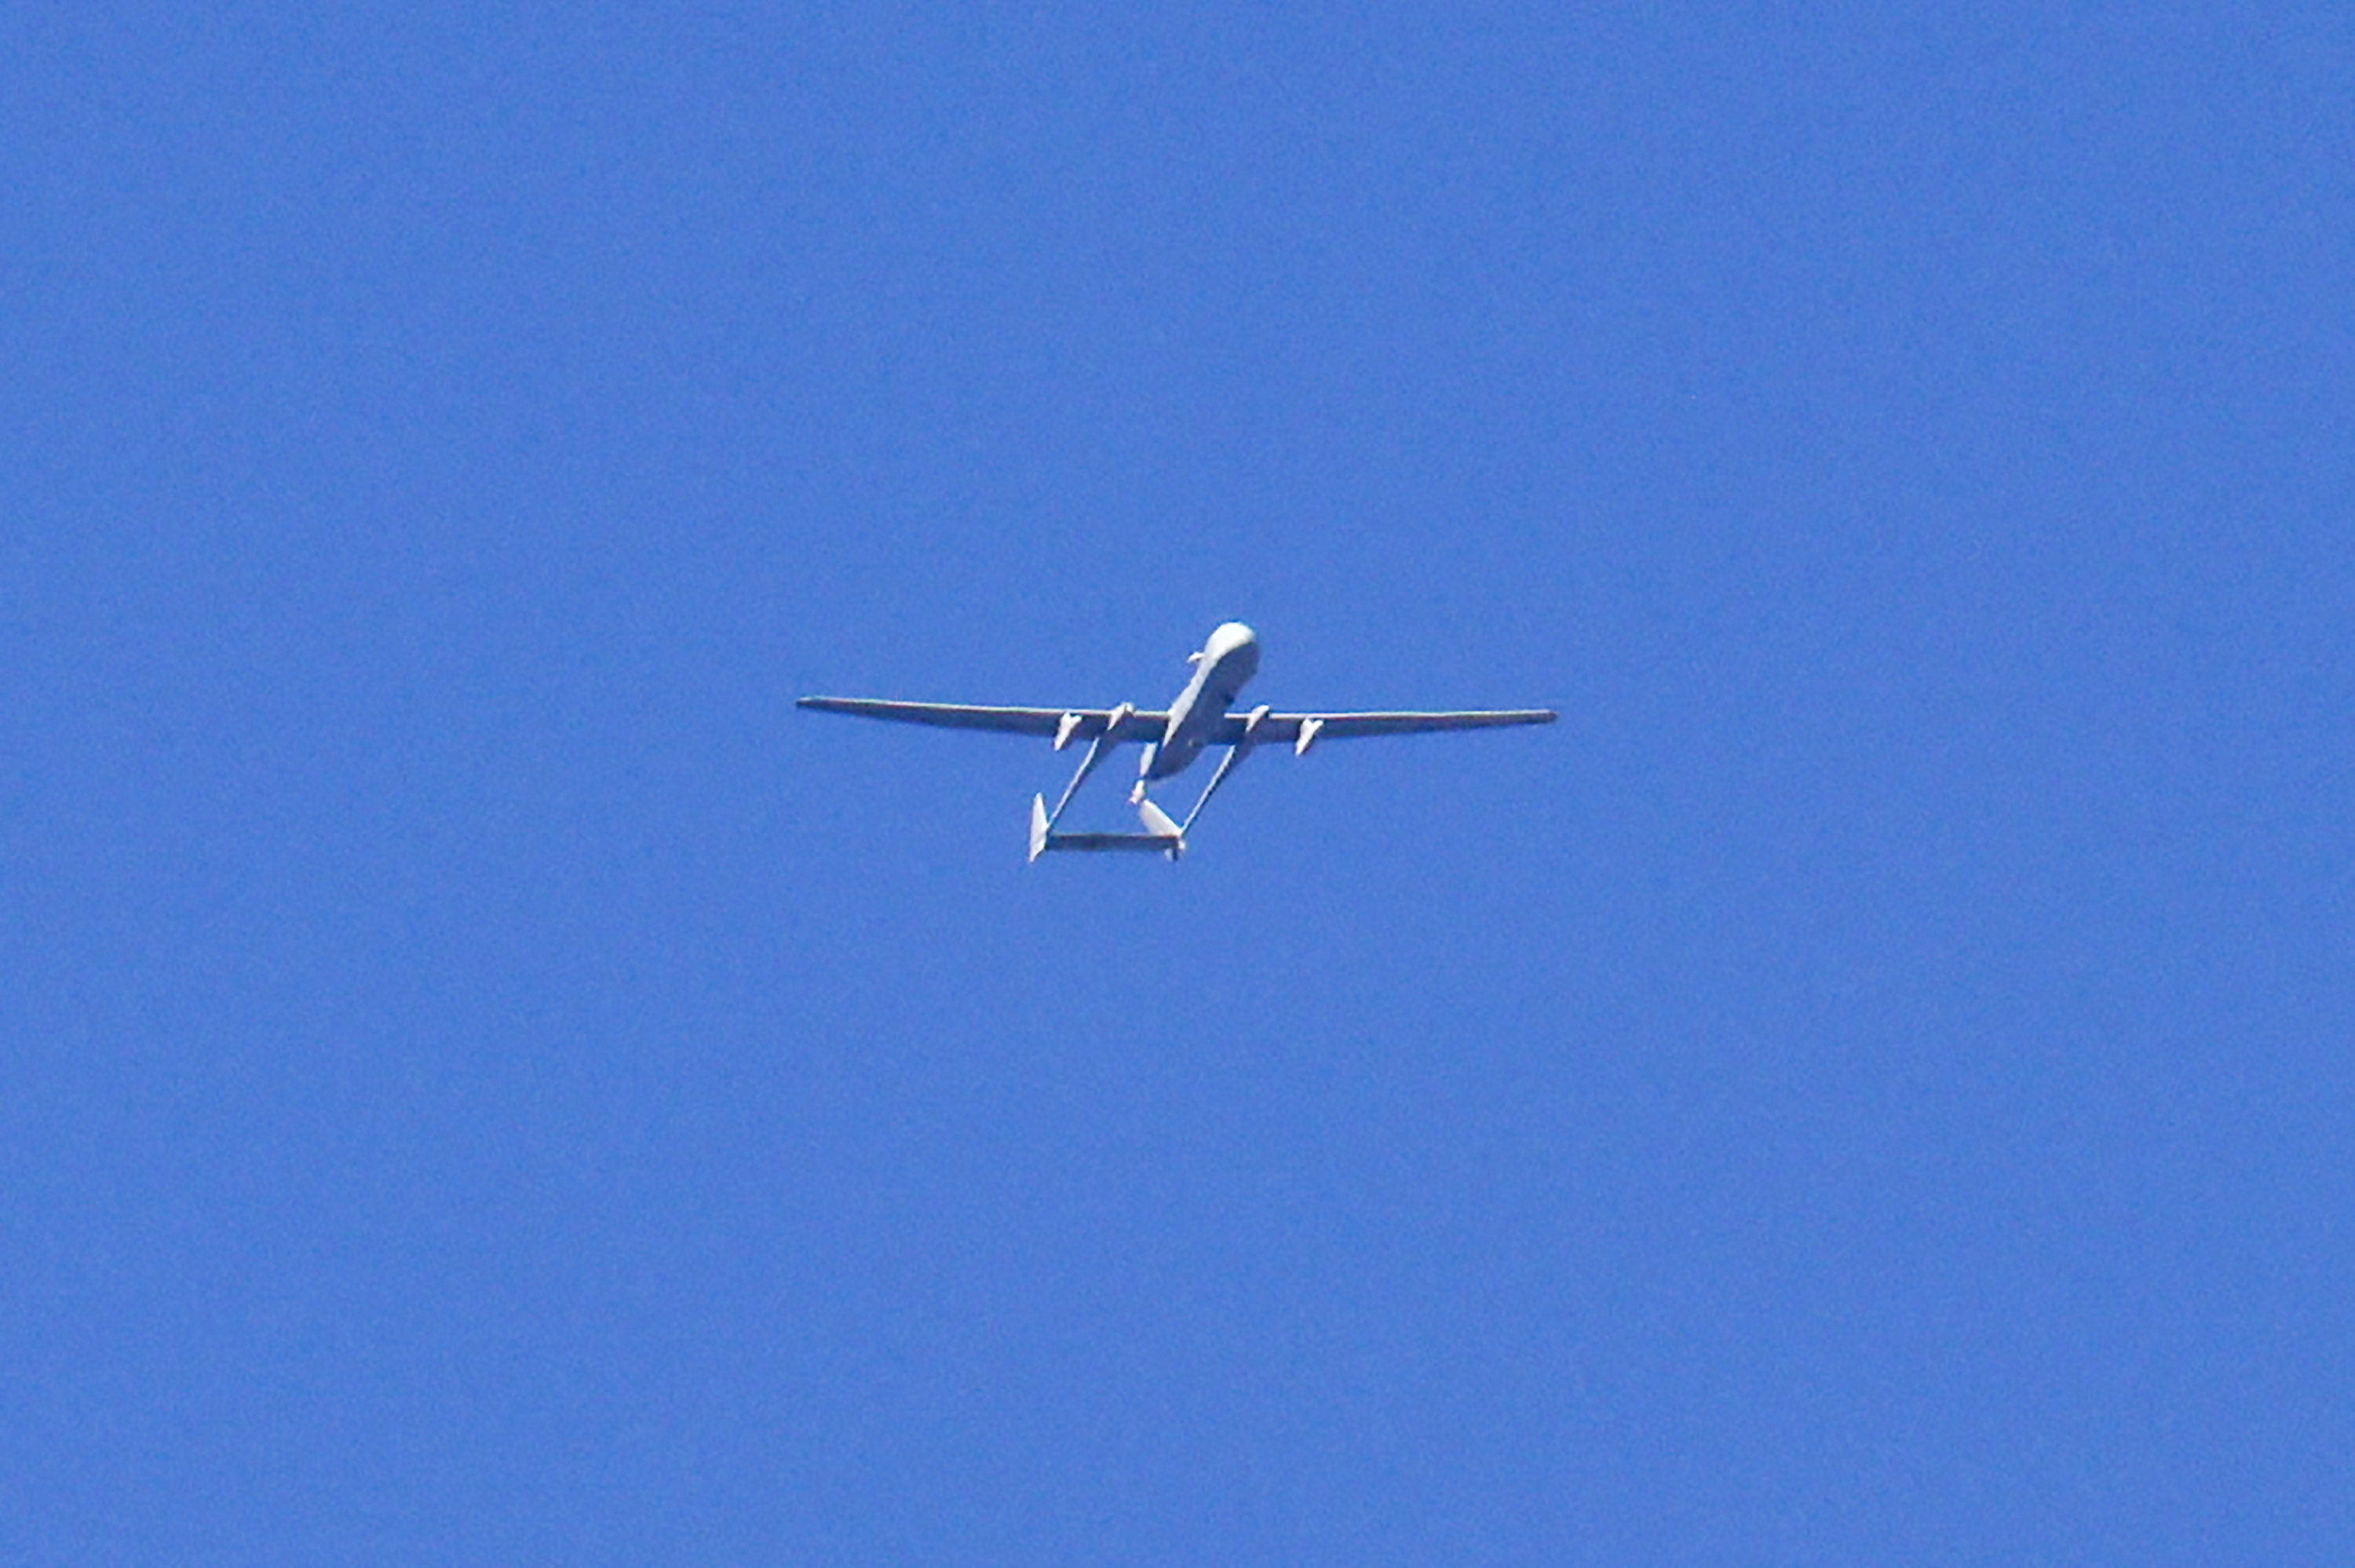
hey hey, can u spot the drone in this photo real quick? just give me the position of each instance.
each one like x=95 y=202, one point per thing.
x=1201 y=716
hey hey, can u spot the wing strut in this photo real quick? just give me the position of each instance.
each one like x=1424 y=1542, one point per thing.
x=1235 y=753
x=1098 y=749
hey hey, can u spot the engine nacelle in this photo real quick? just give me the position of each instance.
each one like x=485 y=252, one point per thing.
x=1309 y=732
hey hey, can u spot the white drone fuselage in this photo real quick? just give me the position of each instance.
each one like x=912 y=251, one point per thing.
x=1228 y=660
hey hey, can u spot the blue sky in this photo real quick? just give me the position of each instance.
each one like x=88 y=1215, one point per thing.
x=483 y=1079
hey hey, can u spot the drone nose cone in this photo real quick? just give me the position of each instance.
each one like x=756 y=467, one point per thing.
x=1234 y=653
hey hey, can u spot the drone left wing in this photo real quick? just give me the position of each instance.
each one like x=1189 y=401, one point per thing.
x=1060 y=724
x=1301 y=729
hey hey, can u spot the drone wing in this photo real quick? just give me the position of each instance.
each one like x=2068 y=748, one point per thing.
x=1061 y=725
x=1301 y=729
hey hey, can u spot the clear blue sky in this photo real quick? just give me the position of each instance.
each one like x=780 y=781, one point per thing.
x=484 y=1081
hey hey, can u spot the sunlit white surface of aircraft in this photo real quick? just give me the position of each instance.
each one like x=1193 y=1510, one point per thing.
x=1202 y=715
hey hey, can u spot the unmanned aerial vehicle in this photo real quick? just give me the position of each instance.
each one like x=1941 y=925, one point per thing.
x=1201 y=716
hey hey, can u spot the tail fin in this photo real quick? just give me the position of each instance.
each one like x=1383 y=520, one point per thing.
x=1157 y=823
x=1038 y=826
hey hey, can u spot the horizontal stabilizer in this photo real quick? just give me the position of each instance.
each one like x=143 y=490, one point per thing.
x=1156 y=843
x=1162 y=838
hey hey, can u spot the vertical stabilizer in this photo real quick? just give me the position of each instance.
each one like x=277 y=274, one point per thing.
x=1038 y=826
x=1157 y=823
